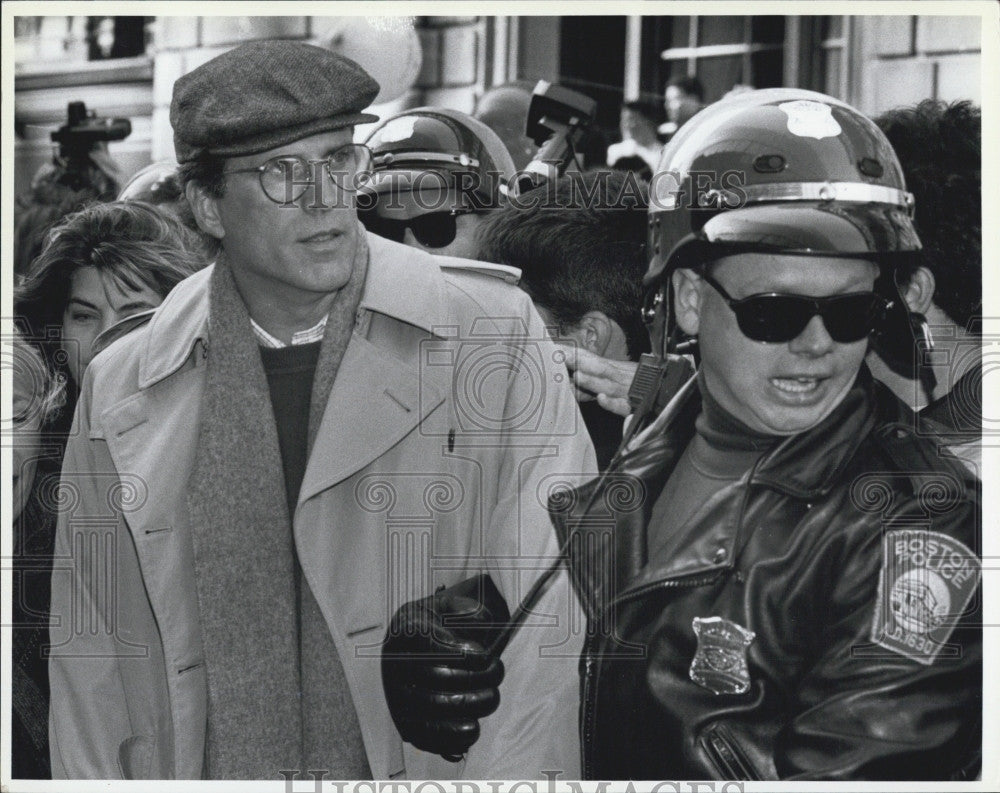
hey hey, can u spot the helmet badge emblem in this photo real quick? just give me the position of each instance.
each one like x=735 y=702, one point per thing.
x=398 y=129
x=809 y=119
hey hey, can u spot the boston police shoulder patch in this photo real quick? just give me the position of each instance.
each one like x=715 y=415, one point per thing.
x=926 y=582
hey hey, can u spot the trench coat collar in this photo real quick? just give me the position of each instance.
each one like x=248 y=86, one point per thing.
x=402 y=282
x=405 y=283
x=176 y=326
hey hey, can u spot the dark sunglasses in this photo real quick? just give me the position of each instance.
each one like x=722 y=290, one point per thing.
x=775 y=317
x=432 y=230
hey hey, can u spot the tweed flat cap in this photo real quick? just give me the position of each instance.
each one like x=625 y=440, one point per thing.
x=265 y=94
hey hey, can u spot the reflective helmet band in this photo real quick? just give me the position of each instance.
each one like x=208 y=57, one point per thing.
x=857 y=192
x=666 y=196
x=408 y=157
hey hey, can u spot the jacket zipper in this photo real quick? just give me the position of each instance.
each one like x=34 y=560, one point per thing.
x=590 y=665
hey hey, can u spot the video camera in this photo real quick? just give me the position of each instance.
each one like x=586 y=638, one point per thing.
x=558 y=119
x=83 y=130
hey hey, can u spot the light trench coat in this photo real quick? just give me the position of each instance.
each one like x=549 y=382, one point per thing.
x=449 y=424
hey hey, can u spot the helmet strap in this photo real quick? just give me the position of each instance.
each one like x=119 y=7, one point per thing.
x=925 y=343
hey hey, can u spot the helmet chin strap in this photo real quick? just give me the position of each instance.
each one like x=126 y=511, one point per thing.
x=660 y=374
x=925 y=342
x=905 y=336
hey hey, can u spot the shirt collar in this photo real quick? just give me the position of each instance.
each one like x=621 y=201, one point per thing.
x=307 y=336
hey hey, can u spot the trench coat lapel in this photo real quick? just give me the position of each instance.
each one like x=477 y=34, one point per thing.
x=152 y=434
x=139 y=450
x=377 y=398
x=375 y=402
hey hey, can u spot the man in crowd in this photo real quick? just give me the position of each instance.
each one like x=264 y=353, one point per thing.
x=940 y=148
x=306 y=435
x=581 y=252
x=82 y=172
x=437 y=174
x=772 y=594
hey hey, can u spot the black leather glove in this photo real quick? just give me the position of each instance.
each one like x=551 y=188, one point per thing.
x=438 y=675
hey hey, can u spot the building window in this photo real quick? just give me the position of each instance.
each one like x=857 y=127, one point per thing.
x=116 y=37
x=592 y=61
x=721 y=51
x=64 y=39
x=830 y=53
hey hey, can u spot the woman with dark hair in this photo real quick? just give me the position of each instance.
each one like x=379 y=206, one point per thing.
x=100 y=265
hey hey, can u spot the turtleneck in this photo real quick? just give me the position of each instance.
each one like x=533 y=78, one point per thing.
x=721 y=451
x=723 y=431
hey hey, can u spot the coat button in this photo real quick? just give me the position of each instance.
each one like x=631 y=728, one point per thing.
x=720 y=556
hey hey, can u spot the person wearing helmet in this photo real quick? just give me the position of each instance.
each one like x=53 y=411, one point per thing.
x=781 y=573
x=504 y=109
x=437 y=172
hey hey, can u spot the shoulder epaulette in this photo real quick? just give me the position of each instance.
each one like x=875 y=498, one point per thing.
x=121 y=328
x=512 y=275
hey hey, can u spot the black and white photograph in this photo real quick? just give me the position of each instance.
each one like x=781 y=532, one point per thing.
x=554 y=398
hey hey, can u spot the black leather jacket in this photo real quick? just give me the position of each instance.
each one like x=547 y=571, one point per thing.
x=850 y=551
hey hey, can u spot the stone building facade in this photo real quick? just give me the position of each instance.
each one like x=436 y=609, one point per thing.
x=126 y=66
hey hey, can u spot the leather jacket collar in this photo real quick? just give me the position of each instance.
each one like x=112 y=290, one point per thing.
x=810 y=463
x=802 y=466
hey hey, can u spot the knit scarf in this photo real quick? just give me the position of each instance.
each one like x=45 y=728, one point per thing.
x=242 y=536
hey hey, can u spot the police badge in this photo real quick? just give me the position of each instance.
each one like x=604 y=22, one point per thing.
x=720 y=662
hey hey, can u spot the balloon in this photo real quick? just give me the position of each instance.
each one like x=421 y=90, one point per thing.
x=388 y=48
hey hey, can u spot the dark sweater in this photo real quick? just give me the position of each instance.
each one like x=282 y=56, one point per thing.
x=331 y=733
x=290 y=372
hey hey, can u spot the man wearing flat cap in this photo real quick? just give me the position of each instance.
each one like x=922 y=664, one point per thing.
x=320 y=428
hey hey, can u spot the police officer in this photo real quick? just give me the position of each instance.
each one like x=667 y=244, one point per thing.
x=437 y=172
x=782 y=571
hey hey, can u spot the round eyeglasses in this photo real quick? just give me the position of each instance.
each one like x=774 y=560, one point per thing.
x=285 y=178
